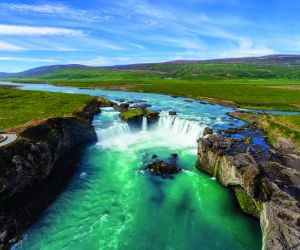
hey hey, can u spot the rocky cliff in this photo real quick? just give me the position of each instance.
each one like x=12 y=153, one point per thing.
x=265 y=182
x=35 y=167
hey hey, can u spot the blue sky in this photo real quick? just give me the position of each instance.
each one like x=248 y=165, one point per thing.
x=103 y=32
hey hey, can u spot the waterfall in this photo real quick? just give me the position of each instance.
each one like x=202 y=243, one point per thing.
x=112 y=132
x=179 y=131
x=170 y=131
x=144 y=124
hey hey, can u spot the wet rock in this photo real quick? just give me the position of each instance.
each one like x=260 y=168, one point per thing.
x=174 y=155
x=162 y=168
x=152 y=116
x=207 y=131
x=121 y=107
x=190 y=101
x=104 y=102
x=172 y=112
x=154 y=156
x=134 y=117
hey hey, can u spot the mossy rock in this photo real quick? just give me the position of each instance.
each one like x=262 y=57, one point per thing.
x=247 y=204
x=152 y=116
x=131 y=114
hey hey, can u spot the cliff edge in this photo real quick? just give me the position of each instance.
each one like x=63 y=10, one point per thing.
x=35 y=167
x=265 y=182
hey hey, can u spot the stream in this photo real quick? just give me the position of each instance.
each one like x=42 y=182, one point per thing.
x=113 y=203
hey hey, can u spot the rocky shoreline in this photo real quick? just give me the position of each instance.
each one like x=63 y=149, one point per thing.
x=265 y=180
x=35 y=168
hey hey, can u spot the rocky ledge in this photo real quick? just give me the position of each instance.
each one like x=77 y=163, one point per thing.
x=35 y=168
x=265 y=181
x=134 y=116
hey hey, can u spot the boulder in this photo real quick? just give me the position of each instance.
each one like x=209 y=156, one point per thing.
x=172 y=112
x=154 y=156
x=207 y=131
x=132 y=116
x=162 y=168
x=121 y=107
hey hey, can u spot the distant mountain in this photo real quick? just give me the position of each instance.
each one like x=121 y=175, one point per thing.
x=43 y=70
x=261 y=60
x=283 y=60
x=2 y=74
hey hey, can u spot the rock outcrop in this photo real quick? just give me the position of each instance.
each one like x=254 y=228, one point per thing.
x=162 y=168
x=121 y=107
x=32 y=169
x=134 y=117
x=263 y=181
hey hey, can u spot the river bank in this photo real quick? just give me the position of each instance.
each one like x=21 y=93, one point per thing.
x=265 y=180
x=37 y=166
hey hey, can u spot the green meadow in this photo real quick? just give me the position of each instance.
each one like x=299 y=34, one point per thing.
x=18 y=107
x=266 y=86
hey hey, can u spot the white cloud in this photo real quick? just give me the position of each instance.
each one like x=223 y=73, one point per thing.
x=9 y=46
x=247 y=48
x=55 y=10
x=26 y=59
x=103 y=61
x=37 y=31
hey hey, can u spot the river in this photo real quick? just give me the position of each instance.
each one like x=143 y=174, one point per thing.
x=112 y=203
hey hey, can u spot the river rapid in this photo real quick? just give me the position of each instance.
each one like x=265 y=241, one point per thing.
x=112 y=203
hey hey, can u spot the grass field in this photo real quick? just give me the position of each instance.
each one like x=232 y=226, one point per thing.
x=18 y=107
x=255 y=84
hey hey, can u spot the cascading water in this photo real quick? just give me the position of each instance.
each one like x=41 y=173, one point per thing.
x=179 y=131
x=144 y=124
x=111 y=204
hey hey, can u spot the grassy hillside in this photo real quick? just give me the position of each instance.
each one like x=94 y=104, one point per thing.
x=252 y=83
x=18 y=107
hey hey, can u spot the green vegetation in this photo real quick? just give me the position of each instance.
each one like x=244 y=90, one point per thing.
x=1 y=138
x=282 y=130
x=270 y=84
x=252 y=86
x=131 y=113
x=246 y=95
x=246 y=202
x=213 y=70
x=18 y=107
x=150 y=112
x=282 y=126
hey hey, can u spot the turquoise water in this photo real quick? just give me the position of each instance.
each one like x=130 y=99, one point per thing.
x=112 y=203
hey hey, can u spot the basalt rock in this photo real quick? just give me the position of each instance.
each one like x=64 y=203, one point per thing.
x=134 y=117
x=31 y=173
x=121 y=107
x=207 y=131
x=262 y=181
x=152 y=116
x=162 y=168
x=104 y=102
